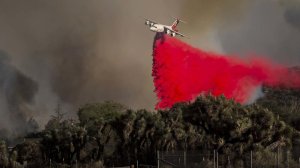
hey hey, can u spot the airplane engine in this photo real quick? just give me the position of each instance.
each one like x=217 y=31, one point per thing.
x=168 y=32
x=147 y=22
x=173 y=34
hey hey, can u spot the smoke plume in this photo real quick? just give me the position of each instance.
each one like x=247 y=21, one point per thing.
x=181 y=73
x=82 y=51
x=17 y=93
x=269 y=27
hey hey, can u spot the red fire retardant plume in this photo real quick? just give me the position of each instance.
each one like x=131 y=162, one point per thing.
x=182 y=72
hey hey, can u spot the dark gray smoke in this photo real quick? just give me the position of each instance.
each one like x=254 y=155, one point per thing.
x=83 y=51
x=292 y=13
x=265 y=28
x=17 y=93
x=206 y=17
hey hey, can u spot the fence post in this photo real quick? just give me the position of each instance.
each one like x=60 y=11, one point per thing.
x=251 y=162
x=217 y=159
x=287 y=158
x=278 y=157
x=275 y=159
x=184 y=158
x=214 y=158
x=228 y=161
x=158 y=159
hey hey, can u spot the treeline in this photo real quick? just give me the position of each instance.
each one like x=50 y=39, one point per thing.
x=110 y=134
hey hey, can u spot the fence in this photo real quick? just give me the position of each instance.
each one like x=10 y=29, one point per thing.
x=279 y=158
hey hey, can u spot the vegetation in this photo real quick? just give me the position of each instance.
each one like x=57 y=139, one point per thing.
x=112 y=135
x=284 y=102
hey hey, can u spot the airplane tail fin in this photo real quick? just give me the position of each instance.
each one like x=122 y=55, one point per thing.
x=176 y=22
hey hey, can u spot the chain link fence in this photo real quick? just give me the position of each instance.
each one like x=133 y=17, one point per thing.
x=278 y=158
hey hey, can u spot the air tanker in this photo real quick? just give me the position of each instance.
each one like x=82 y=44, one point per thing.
x=160 y=28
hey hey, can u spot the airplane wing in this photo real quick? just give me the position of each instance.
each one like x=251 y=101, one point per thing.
x=177 y=33
x=182 y=35
x=150 y=22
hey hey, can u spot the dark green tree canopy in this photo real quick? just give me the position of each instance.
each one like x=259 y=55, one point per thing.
x=105 y=111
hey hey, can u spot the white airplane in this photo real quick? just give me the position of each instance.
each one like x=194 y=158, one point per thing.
x=160 y=28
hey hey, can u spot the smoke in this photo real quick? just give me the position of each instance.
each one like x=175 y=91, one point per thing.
x=181 y=73
x=269 y=27
x=16 y=99
x=205 y=18
x=292 y=12
x=203 y=15
x=81 y=52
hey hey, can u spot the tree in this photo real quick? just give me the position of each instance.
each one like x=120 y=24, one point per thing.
x=106 y=111
x=4 y=157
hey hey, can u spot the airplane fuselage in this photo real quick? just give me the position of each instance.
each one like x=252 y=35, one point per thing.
x=159 y=28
